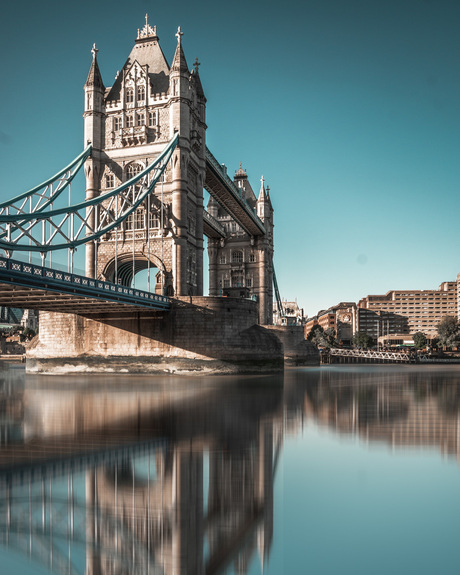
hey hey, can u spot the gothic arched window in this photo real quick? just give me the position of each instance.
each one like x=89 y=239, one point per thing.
x=132 y=170
x=141 y=92
x=152 y=119
x=140 y=119
x=129 y=95
x=129 y=121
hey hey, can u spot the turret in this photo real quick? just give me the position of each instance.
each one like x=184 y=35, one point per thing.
x=263 y=207
x=94 y=104
x=94 y=134
x=179 y=89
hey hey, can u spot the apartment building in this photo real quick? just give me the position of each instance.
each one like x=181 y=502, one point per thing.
x=407 y=311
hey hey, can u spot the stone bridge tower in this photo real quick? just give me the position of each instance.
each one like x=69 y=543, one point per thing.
x=128 y=125
x=241 y=265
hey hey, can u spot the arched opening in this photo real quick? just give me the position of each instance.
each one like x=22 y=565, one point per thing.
x=139 y=272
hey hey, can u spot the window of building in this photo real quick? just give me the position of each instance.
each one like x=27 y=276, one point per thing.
x=252 y=257
x=129 y=121
x=109 y=180
x=141 y=92
x=140 y=119
x=129 y=95
x=132 y=170
x=139 y=219
x=116 y=123
x=222 y=260
x=237 y=257
x=233 y=227
x=152 y=119
x=226 y=283
x=129 y=222
x=249 y=281
x=154 y=220
x=237 y=281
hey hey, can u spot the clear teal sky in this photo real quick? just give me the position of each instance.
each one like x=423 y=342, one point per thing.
x=349 y=108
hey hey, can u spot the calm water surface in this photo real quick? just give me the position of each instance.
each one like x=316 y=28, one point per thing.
x=321 y=471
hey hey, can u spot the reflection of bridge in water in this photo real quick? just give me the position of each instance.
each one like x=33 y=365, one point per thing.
x=162 y=484
x=152 y=481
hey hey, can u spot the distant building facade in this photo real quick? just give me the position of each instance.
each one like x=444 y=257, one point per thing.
x=292 y=314
x=407 y=311
x=392 y=316
x=341 y=318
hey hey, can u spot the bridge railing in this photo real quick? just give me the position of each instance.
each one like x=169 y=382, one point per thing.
x=14 y=271
x=214 y=223
x=369 y=353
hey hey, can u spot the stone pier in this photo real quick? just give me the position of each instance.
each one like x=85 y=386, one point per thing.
x=199 y=334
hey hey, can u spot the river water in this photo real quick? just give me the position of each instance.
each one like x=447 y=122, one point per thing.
x=335 y=469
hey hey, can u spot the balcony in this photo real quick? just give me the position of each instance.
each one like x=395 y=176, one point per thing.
x=134 y=136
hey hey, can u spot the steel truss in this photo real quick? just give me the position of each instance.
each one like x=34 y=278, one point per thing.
x=30 y=224
x=371 y=354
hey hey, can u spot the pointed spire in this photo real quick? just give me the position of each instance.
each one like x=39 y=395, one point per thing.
x=268 y=197
x=94 y=76
x=262 y=194
x=196 y=76
x=179 y=63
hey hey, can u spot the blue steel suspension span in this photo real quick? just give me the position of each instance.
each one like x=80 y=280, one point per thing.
x=29 y=223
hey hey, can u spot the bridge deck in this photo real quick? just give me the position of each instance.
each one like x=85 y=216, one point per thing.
x=30 y=286
x=220 y=186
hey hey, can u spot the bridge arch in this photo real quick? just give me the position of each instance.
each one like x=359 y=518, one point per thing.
x=123 y=268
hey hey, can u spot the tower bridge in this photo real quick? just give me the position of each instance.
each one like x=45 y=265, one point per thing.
x=146 y=165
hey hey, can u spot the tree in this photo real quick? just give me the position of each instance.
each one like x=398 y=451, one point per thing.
x=321 y=337
x=448 y=331
x=314 y=330
x=327 y=338
x=362 y=339
x=420 y=340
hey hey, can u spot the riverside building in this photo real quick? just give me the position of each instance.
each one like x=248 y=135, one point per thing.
x=396 y=313
x=407 y=311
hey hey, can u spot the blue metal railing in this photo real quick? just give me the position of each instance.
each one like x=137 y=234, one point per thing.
x=31 y=275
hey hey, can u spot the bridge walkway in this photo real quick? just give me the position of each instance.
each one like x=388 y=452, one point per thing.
x=29 y=286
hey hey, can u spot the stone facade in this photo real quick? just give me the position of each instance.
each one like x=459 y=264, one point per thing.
x=129 y=125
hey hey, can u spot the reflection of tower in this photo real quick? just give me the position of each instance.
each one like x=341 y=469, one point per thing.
x=149 y=510
x=129 y=124
x=187 y=506
x=240 y=506
x=265 y=489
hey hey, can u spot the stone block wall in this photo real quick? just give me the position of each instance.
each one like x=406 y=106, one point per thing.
x=198 y=333
x=297 y=350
